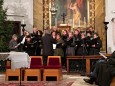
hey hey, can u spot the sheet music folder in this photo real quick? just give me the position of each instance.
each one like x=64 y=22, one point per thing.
x=103 y=55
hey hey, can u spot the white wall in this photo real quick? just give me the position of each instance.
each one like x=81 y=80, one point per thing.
x=18 y=9
x=110 y=6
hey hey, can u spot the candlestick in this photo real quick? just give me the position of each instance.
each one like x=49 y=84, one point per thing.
x=79 y=22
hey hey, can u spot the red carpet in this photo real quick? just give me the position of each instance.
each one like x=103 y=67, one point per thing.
x=34 y=83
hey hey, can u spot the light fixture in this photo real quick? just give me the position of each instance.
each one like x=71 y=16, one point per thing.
x=53 y=9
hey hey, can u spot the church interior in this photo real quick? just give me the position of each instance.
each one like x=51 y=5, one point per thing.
x=57 y=42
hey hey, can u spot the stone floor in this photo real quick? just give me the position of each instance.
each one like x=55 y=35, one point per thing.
x=78 y=80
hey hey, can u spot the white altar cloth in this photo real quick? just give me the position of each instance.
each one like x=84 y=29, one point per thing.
x=19 y=60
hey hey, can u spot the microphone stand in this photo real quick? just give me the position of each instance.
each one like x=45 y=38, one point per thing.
x=83 y=53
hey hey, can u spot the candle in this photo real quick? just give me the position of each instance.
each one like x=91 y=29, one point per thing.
x=56 y=22
x=23 y=21
x=73 y=22
x=79 y=22
x=84 y=22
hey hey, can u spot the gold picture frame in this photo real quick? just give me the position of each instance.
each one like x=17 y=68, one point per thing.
x=86 y=21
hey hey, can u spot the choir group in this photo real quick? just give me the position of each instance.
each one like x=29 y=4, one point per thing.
x=63 y=43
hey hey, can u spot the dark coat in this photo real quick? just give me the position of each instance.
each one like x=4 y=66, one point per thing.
x=106 y=71
x=37 y=40
x=76 y=40
x=82 y=49
x=98 y=44
x=70 y=51
x=47 y=45
x=29 y=47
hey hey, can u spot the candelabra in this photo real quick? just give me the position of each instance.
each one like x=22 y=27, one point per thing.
x=105 y=23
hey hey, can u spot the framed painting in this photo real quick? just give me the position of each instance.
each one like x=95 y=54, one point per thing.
x=72 y=12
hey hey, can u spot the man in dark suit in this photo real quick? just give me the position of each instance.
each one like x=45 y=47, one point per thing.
x=47 y=42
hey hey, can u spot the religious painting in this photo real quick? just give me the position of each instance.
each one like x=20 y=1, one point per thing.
x=72 y=12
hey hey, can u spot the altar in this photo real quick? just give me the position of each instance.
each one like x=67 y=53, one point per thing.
x=64 y=27
x=19 y=60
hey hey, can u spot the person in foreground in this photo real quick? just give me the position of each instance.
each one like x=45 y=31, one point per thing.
x=103 y=72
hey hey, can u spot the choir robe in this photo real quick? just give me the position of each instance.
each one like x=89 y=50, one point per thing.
x=29 y=48
x=81 y=45
x=64 y=38
x=70 y=51
x=98 y=44
x=76 y=39
x=88 y=43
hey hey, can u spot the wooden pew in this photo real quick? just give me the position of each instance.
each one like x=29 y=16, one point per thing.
x=87 y=58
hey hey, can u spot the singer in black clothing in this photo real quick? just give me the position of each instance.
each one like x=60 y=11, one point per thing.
x=29 y=46
x=81 y=45
x=38 y=49
x=76 y=39
x=64 y=37
x=95 y=45
x=35 y=40
x=70 y=47
x=88 y=41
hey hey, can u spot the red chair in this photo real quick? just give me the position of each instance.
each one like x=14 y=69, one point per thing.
x=10 y=72
x=36 y=67
x=53 y=68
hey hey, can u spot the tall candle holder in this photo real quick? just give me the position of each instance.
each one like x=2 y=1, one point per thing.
x=105 y=23
x=23 y=27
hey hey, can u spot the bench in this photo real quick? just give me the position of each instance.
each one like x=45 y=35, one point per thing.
x=87 y=58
